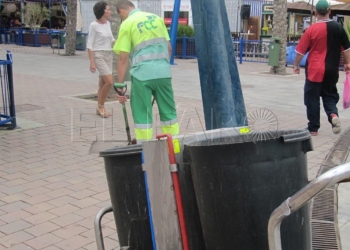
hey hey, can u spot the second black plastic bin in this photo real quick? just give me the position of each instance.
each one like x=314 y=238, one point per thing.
x=239 y=182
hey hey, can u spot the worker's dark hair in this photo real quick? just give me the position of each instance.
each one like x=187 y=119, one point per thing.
x=124 y=5
x=99 y=9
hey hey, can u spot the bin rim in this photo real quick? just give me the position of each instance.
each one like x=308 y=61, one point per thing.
x=125 y=150
x=285 y=136
x=276 y=39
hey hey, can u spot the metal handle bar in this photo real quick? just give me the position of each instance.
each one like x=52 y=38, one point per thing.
x=120 y=86
x=293 y=203
x=98 y=228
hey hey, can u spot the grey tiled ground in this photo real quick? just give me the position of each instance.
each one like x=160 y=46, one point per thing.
x=51 y=187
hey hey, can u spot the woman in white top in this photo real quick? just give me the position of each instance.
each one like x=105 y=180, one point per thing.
x=100 y=43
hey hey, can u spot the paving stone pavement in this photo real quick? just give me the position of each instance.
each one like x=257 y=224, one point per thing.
x=51 y=187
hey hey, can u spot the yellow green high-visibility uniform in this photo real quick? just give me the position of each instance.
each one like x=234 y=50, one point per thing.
x=145 y=37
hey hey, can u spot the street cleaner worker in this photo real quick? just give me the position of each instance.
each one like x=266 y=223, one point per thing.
x=143 y=39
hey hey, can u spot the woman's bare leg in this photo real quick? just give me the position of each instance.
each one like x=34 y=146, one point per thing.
x=105 y=84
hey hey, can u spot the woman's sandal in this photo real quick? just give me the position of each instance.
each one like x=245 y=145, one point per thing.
x=103 y=114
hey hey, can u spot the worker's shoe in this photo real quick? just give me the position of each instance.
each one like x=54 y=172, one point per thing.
x=336 y=125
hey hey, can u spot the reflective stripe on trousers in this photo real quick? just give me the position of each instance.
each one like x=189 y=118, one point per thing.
x=143 y=134
x=146 y=133
x=172 y=129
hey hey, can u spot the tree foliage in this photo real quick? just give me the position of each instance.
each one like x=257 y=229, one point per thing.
x=184 y=30
x=35 y=14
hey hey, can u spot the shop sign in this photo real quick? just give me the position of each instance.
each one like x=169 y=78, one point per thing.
x=182 y=7
x=183 y=21
x=268 y=8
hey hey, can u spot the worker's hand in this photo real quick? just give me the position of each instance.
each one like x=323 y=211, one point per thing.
x=121 y=98
x=347 y=67
x=296 y=69
x=92 y=67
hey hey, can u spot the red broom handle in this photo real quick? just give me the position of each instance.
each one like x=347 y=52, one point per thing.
x=177 y=191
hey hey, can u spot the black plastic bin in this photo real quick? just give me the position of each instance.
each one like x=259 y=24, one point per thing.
x=193 y=224
x=239 y=182
x=126 y=184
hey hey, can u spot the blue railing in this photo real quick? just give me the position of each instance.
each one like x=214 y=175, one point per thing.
x=245 y=50
x=251 y=50
x=7 y=104
x=185 y=47
x=38 y=38
x=26 y=37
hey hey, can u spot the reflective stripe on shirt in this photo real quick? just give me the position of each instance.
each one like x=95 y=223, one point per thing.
x=149 y=57
x=149 y=42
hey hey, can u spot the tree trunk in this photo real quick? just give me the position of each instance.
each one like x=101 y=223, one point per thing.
x=115 y=25
x=71 y=23
x=279 y=30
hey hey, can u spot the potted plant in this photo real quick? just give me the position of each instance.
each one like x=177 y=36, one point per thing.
x=264 y=30
x=34 y=15
x=185 y=44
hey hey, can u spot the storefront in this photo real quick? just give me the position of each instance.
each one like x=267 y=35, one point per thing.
x=10 y=15
x=164 y=9
x=185 y=15
x=36 y=22
x=298 y=19
x=13 y=14
x=266 y=22
x=253 y=25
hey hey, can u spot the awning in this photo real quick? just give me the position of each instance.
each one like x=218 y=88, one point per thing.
x=36 y=1
x=340 y=9
x=343 y=1
x=300 y=7
x=345 y=6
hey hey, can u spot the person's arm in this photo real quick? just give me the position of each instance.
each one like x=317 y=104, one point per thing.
x=346 y=52
x=91 y=39
x=296 y=67
x=92 y=61
x=122 y=47
x=347 y=60
x=123 y=63
x=301 y=49
x=111 y=33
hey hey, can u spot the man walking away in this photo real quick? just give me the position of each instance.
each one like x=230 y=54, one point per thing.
x=324 y=41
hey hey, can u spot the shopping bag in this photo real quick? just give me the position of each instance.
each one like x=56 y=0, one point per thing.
x=346 y=93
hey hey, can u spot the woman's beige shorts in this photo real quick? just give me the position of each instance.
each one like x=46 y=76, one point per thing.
x=103 y=62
